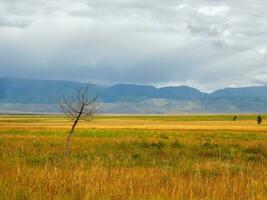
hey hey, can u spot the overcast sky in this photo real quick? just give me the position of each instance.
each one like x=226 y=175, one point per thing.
x=208 y=44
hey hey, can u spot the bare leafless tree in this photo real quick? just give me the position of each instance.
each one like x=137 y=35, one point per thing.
x=81 y=107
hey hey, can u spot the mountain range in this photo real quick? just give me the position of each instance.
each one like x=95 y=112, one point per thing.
x=42 y=96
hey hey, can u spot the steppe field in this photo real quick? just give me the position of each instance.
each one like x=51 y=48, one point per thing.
x=134 y=157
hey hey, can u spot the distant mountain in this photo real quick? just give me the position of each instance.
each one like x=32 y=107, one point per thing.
x=246 y=93
x=137 y=93
x=38 y=91
x=126 y=92
x=23 y=95
x=180 y=93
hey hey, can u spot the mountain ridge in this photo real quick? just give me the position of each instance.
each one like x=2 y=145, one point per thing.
x=31 y=95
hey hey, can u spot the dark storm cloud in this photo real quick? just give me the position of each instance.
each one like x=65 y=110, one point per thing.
x=208 y=44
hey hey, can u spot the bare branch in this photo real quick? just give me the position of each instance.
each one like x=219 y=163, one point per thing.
x=81 y=108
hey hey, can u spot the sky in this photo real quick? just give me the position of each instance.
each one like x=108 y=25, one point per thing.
x=207 y=44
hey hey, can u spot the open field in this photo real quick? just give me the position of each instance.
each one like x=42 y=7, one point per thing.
x=134 y=157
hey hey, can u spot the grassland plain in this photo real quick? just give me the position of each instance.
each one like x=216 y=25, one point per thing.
x=134 y=157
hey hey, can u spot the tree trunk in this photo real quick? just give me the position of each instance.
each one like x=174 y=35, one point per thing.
x=72 y=131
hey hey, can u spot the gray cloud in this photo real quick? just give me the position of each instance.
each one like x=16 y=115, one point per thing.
x=205 y=43
x=14 y=22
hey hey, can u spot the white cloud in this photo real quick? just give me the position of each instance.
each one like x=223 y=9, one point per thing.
x=221 y=10
x=182 y=6
x=204 y=43
x=262 y=52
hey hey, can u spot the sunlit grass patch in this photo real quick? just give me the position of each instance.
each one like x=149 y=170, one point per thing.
x=133 y=162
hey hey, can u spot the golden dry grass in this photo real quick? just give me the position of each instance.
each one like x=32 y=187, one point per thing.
x=162 y=157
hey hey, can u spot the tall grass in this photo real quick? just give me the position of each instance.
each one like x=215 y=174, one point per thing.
x=132 y=163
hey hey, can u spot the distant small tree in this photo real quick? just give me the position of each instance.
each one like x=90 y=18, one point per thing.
x=259 y=119
x=81 y=107
x=235 y=118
